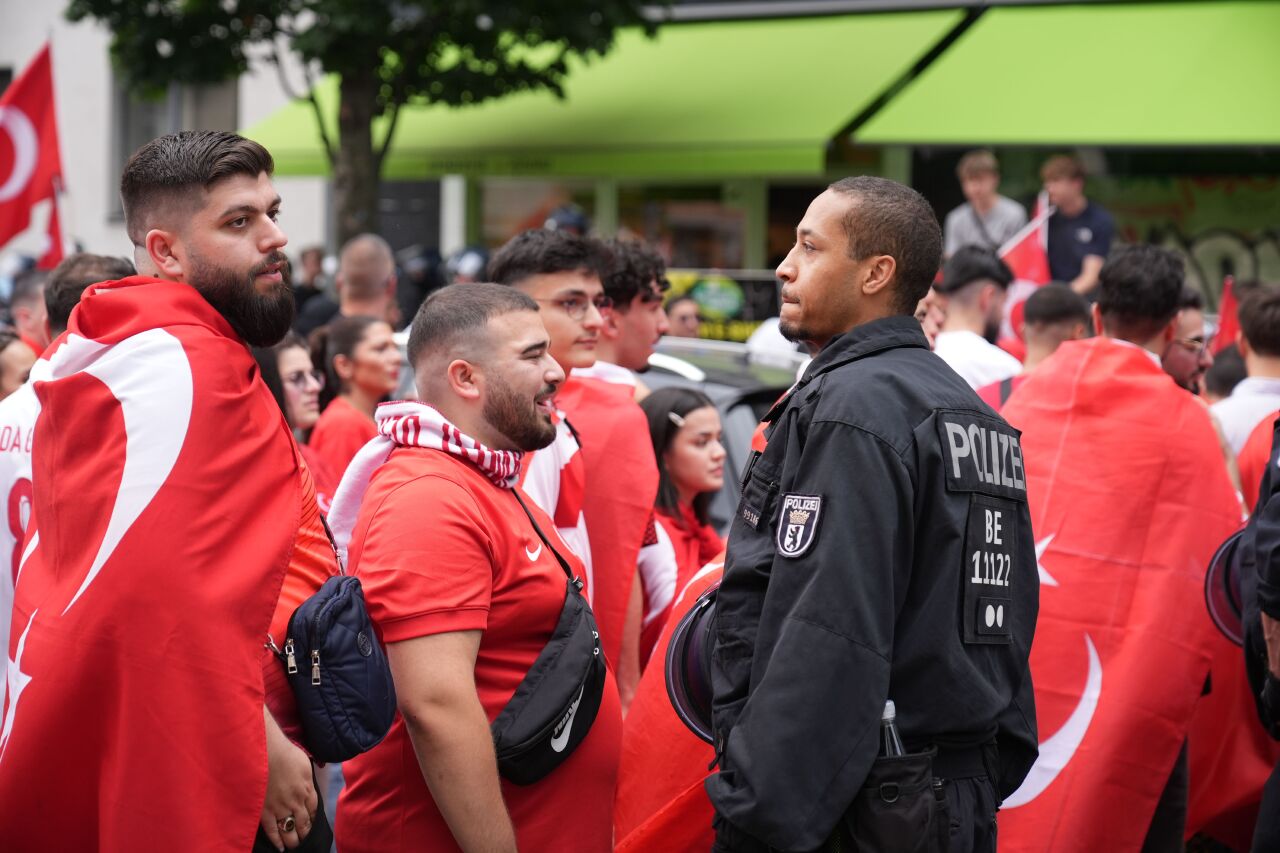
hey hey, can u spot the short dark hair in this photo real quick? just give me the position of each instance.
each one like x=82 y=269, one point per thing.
x=1140 y=289
x=975 y=163
x=268 y=359
x=168 y=168
x=658 y=409
x=1226 y=372
x=889 y=218
x=1055 y=303
x=1062 y=166
x=72 y=277
x=1259 y=314
x=974 y=263
x=637 y=270
x=457 y=311
x=366 y=264
x=1190 y=298
x=340 y=336
x=27 y=286
x=542 y=252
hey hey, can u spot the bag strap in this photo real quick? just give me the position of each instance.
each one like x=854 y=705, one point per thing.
x=986 y=235
x=1006 y=388
x=564 y=564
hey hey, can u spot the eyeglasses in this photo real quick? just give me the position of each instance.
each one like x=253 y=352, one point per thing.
x=576 y=306
x=1192 y=345
x=299 y=379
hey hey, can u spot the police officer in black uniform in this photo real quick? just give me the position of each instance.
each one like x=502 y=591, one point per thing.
x=882 y=550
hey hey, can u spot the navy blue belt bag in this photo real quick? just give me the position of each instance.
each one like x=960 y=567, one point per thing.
x=339 y=673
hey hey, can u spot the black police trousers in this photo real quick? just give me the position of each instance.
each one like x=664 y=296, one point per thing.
x=967 y=824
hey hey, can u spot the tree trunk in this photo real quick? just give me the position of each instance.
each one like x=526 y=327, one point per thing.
x=355 y=173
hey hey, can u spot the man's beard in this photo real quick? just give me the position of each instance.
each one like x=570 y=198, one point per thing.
x=515 y=417
x=261 y=319
x=991 y=330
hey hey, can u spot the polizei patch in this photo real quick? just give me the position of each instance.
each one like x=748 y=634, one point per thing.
x=798 y=523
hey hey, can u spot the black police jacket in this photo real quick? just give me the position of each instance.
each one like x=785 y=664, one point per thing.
x=882 y=549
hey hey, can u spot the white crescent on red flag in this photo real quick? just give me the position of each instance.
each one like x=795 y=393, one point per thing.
x=29 y=159
x=1129 y=498
x=167 y=499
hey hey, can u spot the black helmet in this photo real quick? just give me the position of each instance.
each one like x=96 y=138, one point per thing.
x=689 y=665
x=1222 y=589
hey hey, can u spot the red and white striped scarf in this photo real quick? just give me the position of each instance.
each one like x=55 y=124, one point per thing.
x=408 y=423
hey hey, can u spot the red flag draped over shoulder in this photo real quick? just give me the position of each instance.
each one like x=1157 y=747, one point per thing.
x=1129 y=499
x=661 y=802
x=166 y=505
x=621 y=484
x=29 y=160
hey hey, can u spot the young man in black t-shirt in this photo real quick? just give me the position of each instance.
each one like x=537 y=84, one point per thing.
x=1080 y=231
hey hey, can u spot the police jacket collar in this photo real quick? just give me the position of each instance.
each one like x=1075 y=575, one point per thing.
x=867 y=339
x=859 y=342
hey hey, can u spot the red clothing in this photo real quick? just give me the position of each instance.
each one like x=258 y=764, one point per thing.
x=158 y=570
x=31 y=345
x=622 y=482
x=990 y=394
x=311 y=563
x=326 y=482
x=1252 y=461
x=339 y=434
x=478 y=565
x=695 y=544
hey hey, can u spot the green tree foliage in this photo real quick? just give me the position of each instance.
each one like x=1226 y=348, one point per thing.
x=387 y=53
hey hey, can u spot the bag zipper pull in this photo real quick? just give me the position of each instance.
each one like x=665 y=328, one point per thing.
x=291 y=662
x=315 y=666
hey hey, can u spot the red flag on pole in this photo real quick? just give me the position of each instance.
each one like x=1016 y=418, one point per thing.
x=1027 y=252
x=29 y=161
x=1129 y=499
x=1228 y=317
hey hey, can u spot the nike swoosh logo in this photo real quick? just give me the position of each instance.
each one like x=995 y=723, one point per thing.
x=560 y=739
x=1057 y=751
x=534 y=554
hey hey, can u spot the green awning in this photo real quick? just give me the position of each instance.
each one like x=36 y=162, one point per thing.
x=1185 y=74
x=717 y=99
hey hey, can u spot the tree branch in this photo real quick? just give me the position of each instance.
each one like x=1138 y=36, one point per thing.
x=330 y=152
x=391 y=132
x=284 y=78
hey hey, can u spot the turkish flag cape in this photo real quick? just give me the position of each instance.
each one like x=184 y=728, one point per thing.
x=661 y=803
x=29 y=160
x=621 y=485
x=167 y=500
x=1129 y=499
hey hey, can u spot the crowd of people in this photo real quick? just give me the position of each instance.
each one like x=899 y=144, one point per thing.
x=993 y=519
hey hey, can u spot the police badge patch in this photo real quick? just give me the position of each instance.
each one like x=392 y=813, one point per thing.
x=798 y=523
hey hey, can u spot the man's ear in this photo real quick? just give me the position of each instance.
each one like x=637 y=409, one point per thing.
x=465 y=380
x=163 y=248
x=1170 y=332
x=878 y=274
x=1096 y=313
x=1242 y=345
x=609 y=327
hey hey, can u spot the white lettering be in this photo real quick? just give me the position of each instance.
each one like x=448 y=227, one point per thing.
x=993 y=528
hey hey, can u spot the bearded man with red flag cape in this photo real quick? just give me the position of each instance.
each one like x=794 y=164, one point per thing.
x=1129 y=499
x=167 y=500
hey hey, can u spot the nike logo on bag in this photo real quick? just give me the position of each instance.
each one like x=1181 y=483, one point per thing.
x=534 y=554
x=560 y=738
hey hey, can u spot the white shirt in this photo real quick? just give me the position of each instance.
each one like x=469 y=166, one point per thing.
x=606 y=372
x=1253 y=400
x=18 y=413
x=978 y=361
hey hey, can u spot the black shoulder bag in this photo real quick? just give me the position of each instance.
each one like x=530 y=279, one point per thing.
x=557 y=701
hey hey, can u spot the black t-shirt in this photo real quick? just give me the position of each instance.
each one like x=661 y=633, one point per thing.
x=1071 y=238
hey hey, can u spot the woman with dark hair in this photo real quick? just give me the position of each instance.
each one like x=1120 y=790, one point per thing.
x=295 y=383
x=685 y=429
x=362 y=366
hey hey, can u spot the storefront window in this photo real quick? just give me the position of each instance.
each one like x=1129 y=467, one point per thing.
x=511 y=206
x=690 y=225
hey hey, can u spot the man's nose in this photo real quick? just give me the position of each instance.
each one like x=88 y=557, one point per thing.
x=786 y=269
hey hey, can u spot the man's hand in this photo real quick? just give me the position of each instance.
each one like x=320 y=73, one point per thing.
x=291 y=789
x=436 y=690
x=1271 y=633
